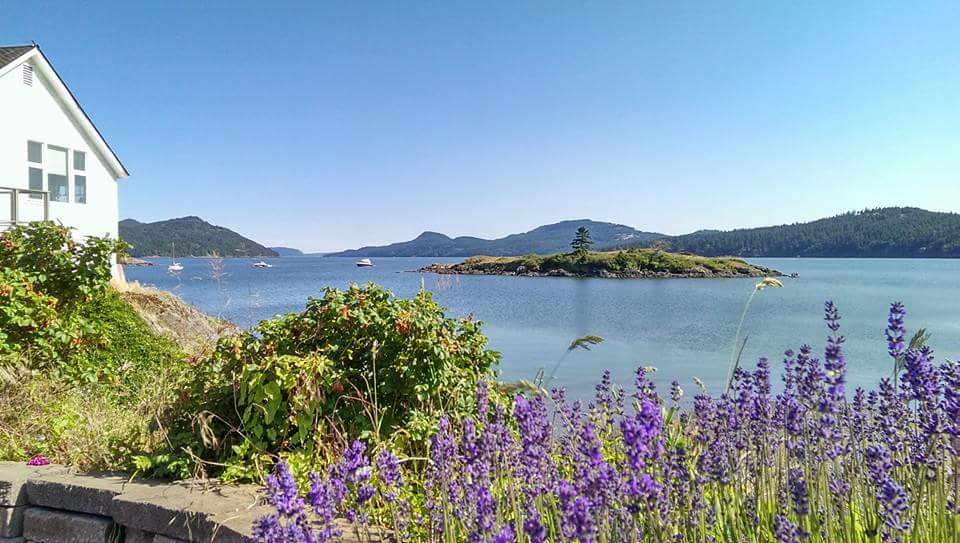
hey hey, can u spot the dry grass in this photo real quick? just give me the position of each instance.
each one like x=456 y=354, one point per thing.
x=166 y=314
x=85 y=427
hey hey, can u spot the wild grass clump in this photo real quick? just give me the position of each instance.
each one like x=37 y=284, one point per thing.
x=806 y=463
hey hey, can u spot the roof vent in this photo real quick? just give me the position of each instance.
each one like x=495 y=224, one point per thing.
x=28 y=75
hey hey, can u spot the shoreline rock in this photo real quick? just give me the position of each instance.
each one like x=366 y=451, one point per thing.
x=133 y=261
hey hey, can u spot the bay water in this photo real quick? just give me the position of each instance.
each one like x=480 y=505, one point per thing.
x=684 y=328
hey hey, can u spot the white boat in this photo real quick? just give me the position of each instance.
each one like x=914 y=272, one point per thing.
x=364 y=263
x=174 y=266
x=262 y=264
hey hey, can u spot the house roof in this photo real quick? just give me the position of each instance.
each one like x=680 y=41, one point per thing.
x=11 y=54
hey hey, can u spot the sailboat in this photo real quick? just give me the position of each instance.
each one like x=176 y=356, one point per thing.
x=174 y=266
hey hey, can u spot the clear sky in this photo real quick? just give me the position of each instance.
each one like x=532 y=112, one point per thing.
x=328 y=125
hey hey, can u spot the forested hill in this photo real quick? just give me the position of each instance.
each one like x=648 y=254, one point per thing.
x=190 y=236
x=547 y=239
x=886 y=232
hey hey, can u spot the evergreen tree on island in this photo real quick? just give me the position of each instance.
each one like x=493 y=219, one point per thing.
x=581 y=242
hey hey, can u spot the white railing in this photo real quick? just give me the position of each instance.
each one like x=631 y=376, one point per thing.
x=24 y=206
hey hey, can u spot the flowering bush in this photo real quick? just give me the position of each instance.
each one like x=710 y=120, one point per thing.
x=802 y=464
x=355 y=363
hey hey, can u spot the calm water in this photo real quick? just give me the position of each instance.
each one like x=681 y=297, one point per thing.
x=683 y=327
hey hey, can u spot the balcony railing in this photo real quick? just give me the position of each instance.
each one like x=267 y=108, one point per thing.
x=23 y=206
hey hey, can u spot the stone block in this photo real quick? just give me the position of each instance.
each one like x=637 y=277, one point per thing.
x=11 y=521
x=41 y=525
x=88 y=493
x=13 y=478
x=191 y=511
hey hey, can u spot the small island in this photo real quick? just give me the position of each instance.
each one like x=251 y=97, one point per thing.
x=629 y=264
x=626 y=264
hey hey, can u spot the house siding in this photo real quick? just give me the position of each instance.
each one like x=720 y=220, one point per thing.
x=33 y=113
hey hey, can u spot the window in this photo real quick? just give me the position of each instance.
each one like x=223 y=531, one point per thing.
x=79 y=161
x=80 y=189
x=35 y=152
x=56 y=166
x=58 y=187
x=36 y=182
x=28 y=75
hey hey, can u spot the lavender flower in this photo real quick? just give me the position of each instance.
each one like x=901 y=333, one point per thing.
x=388 y=467
x=895 y=330
x=890 y=495
x=282 y=491
x=785 y=531
x=505 y=535
x=534 y=528
x=534 y=462
x=798 y=492
x=920 y=375
x=289 y=523
x=577 y=519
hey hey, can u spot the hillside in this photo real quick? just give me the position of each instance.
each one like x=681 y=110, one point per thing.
x=191 y=236
x=551 y=238
x=626 y=264
x=886 y=232
x=895 y=232
x=286 y=251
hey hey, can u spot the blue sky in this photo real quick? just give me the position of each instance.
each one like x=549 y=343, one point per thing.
x=328 y=125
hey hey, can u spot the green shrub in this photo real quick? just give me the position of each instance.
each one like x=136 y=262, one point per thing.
x=56 y=264
x=355 y=363
x=45 y=277
x=123 y=352
x=29 y=322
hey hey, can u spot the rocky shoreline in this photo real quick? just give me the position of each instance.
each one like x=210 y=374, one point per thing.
x=698 y=273
x=133 y=261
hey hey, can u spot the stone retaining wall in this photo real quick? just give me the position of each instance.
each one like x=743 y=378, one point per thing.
x=51 y=504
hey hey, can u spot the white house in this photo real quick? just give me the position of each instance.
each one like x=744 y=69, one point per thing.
x=54 y=163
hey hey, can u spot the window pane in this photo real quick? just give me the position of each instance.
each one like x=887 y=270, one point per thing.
x=57 y=185
x=80 y=189
x=79 y=160
x=35 y=152
x=36 y=182
x=56 y=162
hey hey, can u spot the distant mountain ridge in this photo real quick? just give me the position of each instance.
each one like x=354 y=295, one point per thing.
x=191 y=236
x=895 y=232
x=551 y=238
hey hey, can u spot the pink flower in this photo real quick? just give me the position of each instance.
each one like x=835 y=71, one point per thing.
x=38 y=460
